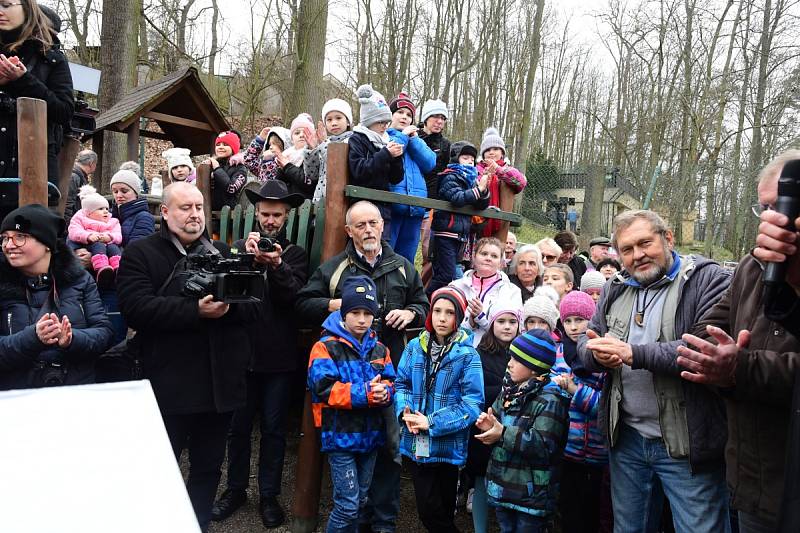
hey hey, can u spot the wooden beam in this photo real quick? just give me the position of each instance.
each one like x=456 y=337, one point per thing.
x=133 y=141
x=32 y=150
x=155 y=135
x=199 y=100
x=204 y=184
x=363 y=193
x=308 y=475
x=506 y=204
x=178 y=121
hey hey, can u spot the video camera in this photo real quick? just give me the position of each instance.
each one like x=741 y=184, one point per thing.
x=230 y=280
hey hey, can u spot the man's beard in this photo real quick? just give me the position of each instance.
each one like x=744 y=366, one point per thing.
x=369 y=246
x=272 y=234
x=651 y=276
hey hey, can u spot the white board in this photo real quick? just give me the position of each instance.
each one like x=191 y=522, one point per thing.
x=89 y=459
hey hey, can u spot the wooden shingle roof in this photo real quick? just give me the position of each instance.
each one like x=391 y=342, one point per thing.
x=178 y=102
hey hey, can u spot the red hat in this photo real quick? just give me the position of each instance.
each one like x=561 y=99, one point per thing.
x=452 y=294
x=229 y=138
x=403 y=100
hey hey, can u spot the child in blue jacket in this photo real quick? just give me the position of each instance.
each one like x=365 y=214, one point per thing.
x=350 y=376
x=439 y=393
x=418 y=160
x=459 y=185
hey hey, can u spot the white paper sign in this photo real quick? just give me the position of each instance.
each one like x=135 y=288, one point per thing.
x=89 y=459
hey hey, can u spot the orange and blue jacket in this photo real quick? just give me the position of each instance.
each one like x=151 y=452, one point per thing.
x=340 y=370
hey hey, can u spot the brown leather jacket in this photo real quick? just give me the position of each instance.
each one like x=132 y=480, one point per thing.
x=759 y=404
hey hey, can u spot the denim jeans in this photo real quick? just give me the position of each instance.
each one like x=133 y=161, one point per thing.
x=642 y=472
x=351 y=474
x=512 y=521
x=383 y=504
x=267 y=394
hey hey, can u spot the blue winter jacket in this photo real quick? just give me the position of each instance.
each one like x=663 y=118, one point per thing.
x=452 y=404
x=458 y=185
x=135 y=220
x=23 y=300
x=418 y=160
x=339 y=371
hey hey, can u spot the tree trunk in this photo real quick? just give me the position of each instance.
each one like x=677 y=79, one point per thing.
x=522 y=141
x=212 y=55
x=312 y=22
x=118 y=63
x=592 y=214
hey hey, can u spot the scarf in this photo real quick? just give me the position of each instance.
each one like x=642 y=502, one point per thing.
x=513 y=393
x=378 y=140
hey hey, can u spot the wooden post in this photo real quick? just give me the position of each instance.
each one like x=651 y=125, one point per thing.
x=506 y=204
x=133 y=141
x=66 y=160
x=308 y=475
x=204 y=184
x=32 y=150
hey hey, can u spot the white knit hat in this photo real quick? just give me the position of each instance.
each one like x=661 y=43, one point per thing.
x=433 y=107
x=337 y=104
x=492 y=139
x=540 y=305
x=592 y=280
x=90 y=200
x=373 y=106
x=129 y=178
x=176 y=157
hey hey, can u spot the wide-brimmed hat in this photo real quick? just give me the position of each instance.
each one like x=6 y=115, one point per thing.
x=275 y=190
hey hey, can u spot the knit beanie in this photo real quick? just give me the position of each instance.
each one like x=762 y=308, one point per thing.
x=577 y=303
x=592 y=280
x=540 y=306
x=403 y=100
x=36 y=220
x=337 y=104
x=433 y=107
x=230 y=139
x=505 y=308
x=459 y=148
x=91 y=200
x=452 y=294
x=176 y=157
x=302 y=121
x=359 y=292
x=282 y=134
x=129 y=178
x=535 y=349
x=373 y=106
x=492 y=139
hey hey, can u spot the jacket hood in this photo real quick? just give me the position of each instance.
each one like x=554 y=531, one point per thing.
x=334 y=325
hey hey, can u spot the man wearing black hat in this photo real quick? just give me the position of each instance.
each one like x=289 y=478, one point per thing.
x=274 y=357
x=195 y=350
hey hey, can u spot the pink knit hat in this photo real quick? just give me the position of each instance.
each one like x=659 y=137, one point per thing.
x=505 y=308
x=303 y=120
x=577 y=303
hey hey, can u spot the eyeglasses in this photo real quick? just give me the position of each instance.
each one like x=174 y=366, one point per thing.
x=5 y=6
x=19 y=239
x=757 y=209
x=546 y=257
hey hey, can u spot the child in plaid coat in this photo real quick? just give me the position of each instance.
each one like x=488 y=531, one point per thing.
x=439 y=391
x=528 y=426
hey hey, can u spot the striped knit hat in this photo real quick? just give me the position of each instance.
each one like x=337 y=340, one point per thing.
x=454 y=295
x=535 y=349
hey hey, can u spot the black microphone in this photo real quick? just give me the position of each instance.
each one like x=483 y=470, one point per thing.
x=788 y=203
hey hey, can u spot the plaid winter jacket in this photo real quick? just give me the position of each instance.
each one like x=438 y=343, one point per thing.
x=452 y=403
x=339 y=371
x=525 y=467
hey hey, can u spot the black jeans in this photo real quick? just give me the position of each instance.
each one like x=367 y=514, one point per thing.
x=582 y=498
x=203 y=434
x=269 y=395
x=435 y=487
